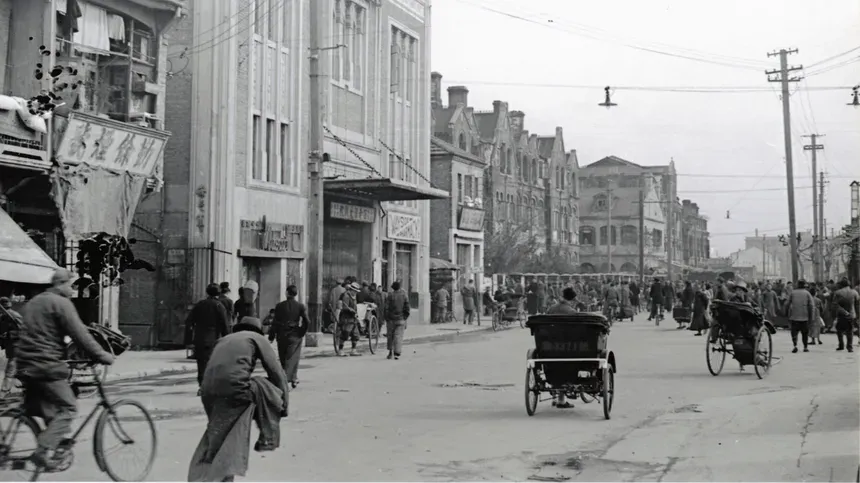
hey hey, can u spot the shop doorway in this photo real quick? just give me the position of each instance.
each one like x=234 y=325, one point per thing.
x=404 y=270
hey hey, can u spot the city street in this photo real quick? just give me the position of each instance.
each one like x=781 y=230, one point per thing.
x=455 y=411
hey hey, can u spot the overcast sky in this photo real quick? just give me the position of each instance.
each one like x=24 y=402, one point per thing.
x=737 y=136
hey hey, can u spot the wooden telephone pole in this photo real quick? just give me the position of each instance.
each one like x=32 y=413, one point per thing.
x=642 y=232
x=817 y=236
x=781 y=75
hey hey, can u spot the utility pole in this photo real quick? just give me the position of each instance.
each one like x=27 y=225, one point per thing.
x=318 y=109
x=764 y=256
x=817 y=236
x=609 y=226
x=781 y=76
x=670 y=249
x=854 y=234
x=642 y=232
x=822 y=230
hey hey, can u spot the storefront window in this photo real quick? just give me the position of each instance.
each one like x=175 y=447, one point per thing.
x=404 y=266
x=347 y=252
x=251 y=270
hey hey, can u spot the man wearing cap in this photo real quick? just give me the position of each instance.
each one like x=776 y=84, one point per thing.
x=10 y=328
x=48 y=318
x=800 y=310
x=206 y=323
x=348 y=323
x=247 y=307
x=846 y=308
x=396 y=314
x=334 y=302
x=226 y=301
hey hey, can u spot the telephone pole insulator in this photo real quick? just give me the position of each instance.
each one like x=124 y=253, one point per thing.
x=607 y=103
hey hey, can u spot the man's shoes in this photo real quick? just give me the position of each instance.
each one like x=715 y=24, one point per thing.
x=850 y=348
x=840 y=348
x=806 y=349
x=390 y=356
x=293 y=384
x=199 y=391
x=794 y=351
x=354 y=352
x=262 y=445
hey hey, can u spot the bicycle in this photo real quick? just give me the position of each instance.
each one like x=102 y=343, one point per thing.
x=500 y=321
x=106 y=415
x=368 y=327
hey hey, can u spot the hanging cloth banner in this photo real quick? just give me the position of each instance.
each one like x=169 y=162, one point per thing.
x=93 y=199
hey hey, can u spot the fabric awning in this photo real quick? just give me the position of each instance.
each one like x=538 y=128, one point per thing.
x=383 y=189
x=21 y=260
x=439 y=264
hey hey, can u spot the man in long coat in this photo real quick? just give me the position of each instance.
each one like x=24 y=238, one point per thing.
x=232 y=398
x=206 y=323
x=289 y=327
x=469 y=295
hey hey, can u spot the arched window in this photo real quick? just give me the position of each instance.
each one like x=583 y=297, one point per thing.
x=503 y=162
x=603 y=237
x=519 y=164
x=629 y=235
x=462 y=142
x=510 y=161
x=586 y=235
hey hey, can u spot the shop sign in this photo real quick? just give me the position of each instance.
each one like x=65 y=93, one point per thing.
x=404 y=227
x=110 y=144
x=471 y=219
x=362 y=214
x=271 y=237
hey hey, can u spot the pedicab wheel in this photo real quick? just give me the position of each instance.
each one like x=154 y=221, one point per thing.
x=335 y=336
x=532 y=392
x=608 y=390
x=763 y=354
x=373 y=333
x=497 y=321
x=128 y=425
x=715 y=365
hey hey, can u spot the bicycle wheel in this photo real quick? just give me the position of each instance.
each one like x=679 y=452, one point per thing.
x=373 y=333
x=497 y=321
x=18 y=435
x=717 y=351
x=763 y=355
x=131 y=425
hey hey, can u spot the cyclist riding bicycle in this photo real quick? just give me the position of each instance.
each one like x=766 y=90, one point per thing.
x=610 y=300
x=48 y=318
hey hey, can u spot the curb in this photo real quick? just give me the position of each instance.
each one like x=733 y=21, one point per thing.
x=362 y=349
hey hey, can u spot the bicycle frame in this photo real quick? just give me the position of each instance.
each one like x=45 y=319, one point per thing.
x=103 y=405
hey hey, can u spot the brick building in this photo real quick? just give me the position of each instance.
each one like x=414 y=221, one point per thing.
x=458 y=222
x=529 y=190
x=109 y=131
x=696 y=244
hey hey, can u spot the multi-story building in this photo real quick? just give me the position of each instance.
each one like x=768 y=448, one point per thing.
x=529 y=190
x=610 y=214
x=696 y=245
x=106 y=64
x=458 y=222
x=772 y=245
x=235 y=203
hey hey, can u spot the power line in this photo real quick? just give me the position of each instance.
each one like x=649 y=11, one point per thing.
x=744 y=176
x=834 y=66
x=745 y=190
x=828 y=59
x=683 y=89
x=550 y=24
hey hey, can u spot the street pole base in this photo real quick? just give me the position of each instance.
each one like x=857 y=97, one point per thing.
x=313 y=339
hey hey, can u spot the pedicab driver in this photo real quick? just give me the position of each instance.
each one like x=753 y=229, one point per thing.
x=566 y=306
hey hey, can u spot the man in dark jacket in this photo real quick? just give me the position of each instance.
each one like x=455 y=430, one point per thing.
x=226 y=301
x=564 y=307
x=396 y=313
x=656 y=296
x=846 y=308
x=206 y=323
x=10 y=328
x=688 y=297
x=48 y=318
x=289 y=327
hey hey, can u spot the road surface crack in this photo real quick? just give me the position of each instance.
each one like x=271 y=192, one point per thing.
x=805 y=431
x=666 y=469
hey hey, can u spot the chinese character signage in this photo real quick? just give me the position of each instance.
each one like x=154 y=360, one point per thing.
x=110 y=144
x=471 y=219
x=361 y=214
x=404 y=227
x=272 y=237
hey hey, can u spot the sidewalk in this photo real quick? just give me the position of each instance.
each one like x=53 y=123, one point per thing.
x=141 y=364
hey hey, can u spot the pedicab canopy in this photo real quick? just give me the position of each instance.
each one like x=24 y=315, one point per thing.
x=21 y=260
x=568 y=320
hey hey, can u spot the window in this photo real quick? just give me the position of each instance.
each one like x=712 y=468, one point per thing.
x=629 y=235
x=603 y=237
x=586 y=235
x=503 y=163
x=336 y=23
x=349 y=28
x=258 y=153
x=459 y=188
x=270 y=64
x=461 y=143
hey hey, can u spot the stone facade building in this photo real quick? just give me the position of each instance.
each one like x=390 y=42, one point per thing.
x=696 y=244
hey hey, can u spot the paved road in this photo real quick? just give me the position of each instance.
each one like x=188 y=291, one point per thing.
x=455 y=411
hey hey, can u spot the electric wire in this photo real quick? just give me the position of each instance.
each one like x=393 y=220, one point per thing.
x=833 y=67
x=681 y=89
x=828 y=59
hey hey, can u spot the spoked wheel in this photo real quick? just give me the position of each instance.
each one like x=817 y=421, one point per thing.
x=497 y=321
x=715 y=353
x=532 y=391
x=127 y=427
x=608 y=391
x=521 y=316
x=335 y=336
x=763 y=353
x=373 y=333
x=18 y=435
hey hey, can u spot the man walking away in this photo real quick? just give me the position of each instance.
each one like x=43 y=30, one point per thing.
x=226 y=301
x=846 y=308
x=800 y=310
x=289 y=328
x=564 y=307
x=232 y=398
x=10 y=328
x=688 y=297
x=48 y=318
x=206 y=323
x=336 y=293
x=379 y=300
x=468 y=293
x=656 y=296
x=396 y=313
x=440 y=303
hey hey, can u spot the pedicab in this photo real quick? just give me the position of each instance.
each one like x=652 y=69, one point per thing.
x=368 y=327
x=510 y=311
x=571 y=358
x=742 y=331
